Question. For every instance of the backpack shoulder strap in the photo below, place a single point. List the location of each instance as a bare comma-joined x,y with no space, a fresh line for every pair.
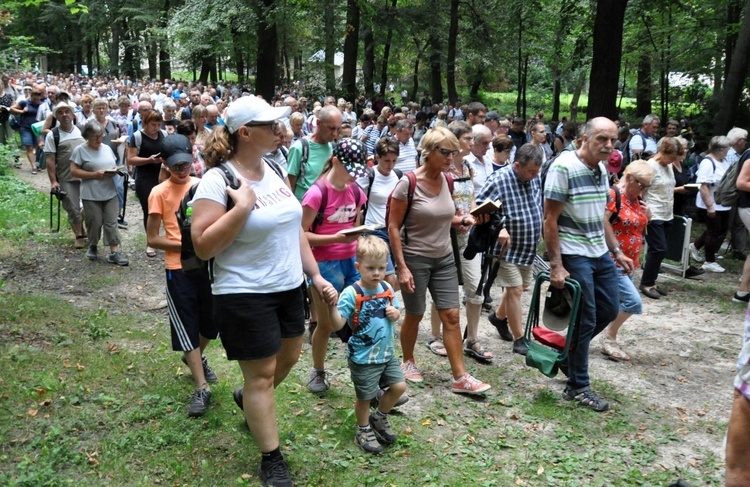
360,298
449,179
56,136
274,166
228,176
400,174
137,139
323,187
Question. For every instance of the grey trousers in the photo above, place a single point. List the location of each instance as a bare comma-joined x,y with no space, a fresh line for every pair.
102,214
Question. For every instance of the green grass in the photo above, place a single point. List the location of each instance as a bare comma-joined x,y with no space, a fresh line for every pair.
505,103
92,394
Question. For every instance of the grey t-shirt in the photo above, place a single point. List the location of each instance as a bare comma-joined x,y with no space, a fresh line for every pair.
428,223
92,161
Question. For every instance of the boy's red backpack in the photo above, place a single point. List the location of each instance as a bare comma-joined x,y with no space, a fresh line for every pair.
347,331
412,181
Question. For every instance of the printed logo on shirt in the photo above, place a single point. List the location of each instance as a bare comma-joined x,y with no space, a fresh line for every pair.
273,198
343,214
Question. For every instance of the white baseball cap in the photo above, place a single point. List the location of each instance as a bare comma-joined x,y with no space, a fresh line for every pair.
252,109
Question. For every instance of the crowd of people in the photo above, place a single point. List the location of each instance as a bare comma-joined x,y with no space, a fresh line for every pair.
290,182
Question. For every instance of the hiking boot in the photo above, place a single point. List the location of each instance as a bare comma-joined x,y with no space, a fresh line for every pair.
713,267
91,252
469,385
275,473
318,383
502,327
587,398
520,347
199,403
237,395
695,254
208,372
367,440
117,258
400,402
382,428
411,372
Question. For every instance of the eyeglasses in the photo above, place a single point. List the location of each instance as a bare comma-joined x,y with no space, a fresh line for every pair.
181,167
447,152
642,186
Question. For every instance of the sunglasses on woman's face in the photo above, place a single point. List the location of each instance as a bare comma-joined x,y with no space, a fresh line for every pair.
447,152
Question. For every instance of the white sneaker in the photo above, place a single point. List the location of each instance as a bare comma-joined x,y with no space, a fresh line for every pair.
713,267
695,253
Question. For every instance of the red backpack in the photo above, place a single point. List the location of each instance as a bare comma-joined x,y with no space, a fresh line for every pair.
412,179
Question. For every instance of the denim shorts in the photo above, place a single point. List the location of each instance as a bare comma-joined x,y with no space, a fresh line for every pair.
27,137
383,235
630,299
340,273
369,378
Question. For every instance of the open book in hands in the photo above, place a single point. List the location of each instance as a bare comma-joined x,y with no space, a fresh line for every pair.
487,207
361,229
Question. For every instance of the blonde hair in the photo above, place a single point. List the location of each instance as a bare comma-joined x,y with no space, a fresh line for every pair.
370,247
199,111
296,117
434,137
640,170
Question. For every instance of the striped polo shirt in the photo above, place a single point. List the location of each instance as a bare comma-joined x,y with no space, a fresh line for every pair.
584,192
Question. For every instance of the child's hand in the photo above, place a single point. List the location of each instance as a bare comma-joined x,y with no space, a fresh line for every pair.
330,295
392,313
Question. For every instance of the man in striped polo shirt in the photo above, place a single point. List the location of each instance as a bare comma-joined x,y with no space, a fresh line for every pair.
575,194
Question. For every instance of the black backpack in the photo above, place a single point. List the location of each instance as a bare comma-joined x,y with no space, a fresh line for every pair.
191,263
370,180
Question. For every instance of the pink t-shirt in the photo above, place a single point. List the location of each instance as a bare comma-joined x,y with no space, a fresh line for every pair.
340,213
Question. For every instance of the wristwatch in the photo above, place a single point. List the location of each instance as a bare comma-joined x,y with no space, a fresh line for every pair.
616,250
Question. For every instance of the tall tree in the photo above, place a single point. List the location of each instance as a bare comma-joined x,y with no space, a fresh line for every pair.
607,53
387,47
450,66
351,48
265,60
436,53
730,97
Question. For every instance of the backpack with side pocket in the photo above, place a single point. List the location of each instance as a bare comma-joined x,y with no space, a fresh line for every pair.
615,217
726,192
626,149
412,179
302,161
191,263
348,331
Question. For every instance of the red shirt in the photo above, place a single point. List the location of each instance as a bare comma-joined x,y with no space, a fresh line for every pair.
630,225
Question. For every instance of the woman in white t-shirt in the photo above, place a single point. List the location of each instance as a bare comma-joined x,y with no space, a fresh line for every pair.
710,172
259,255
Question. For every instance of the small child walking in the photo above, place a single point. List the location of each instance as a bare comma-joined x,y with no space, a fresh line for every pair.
369,308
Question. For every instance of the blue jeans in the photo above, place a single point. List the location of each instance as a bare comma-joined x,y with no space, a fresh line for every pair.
600,304
630,299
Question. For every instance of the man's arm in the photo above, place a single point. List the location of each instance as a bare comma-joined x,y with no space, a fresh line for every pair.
552,211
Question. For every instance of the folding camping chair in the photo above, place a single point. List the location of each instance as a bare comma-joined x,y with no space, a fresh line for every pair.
549,348
678,245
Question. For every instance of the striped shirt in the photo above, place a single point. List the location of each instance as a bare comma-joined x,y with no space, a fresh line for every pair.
522,207
407,156
584,193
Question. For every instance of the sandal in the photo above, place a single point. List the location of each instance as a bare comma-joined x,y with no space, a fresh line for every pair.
587,398
475,350
651,291
661,290
80,242
611,349
151,253
436,346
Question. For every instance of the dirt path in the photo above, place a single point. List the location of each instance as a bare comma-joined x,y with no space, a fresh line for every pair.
684,346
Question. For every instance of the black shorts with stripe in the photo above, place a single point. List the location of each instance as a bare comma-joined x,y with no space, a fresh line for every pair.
190,306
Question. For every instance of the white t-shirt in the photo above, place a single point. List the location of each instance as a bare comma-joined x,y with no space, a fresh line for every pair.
636,143
382,186
265,256
707,174
407,156
482,168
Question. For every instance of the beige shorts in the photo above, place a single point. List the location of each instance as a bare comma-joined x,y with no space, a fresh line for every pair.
514,275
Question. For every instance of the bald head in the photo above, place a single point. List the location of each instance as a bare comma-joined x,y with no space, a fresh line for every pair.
598,140
292,102
212,113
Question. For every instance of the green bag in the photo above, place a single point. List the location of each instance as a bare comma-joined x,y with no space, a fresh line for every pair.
543,359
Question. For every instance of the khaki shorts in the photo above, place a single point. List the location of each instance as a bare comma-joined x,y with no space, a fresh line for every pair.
514,275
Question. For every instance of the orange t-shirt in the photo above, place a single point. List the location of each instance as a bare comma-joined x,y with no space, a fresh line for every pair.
630,226
164,200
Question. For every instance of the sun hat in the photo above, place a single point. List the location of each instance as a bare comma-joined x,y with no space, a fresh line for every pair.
176,149
353,155
252,109
63,104
557,308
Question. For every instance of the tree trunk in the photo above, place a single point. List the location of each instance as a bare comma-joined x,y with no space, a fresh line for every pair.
165,68
451,63
330,46
351,48
212,74
436,84
734,8
98,55
89,55
607,55
152,53
368,64
477,83
643,88
577,95
556,98
525,76
520,58
114,50
387,50
730,98
239,58
206,66
265,62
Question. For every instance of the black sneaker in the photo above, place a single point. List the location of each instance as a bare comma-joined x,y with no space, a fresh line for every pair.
121,223
739,255
741,299
501,326
275,473
520,347
199,403
208,372
237,395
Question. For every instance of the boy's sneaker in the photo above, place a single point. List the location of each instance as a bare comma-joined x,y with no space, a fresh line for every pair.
237,395
91,252
375,401
367,440
469,385
501,326
741,299
208,372
695,254
382,428
275,473
318,382
199,403
713,267
411,372
117,258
